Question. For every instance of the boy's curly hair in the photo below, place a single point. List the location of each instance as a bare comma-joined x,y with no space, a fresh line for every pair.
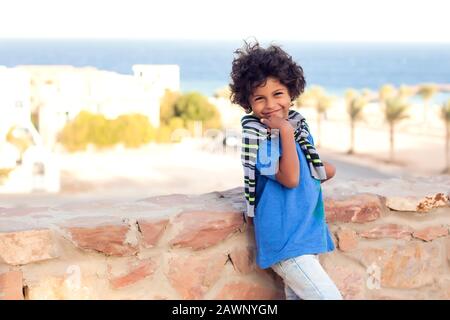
253,64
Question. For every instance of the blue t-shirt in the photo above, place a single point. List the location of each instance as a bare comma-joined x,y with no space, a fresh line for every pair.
289,222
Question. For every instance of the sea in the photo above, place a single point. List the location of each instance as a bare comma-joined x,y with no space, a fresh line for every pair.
205,65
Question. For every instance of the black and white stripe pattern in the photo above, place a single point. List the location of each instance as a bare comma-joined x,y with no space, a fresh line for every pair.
253,131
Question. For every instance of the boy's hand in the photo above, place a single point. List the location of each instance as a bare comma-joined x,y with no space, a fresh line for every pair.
289,167
276,123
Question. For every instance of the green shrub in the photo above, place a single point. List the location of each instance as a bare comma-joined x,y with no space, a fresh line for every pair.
164,134
16,137
133,130
4,173
167,106
177,111
186,109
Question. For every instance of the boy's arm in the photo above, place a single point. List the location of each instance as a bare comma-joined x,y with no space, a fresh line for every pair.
330,171
289,168
329,168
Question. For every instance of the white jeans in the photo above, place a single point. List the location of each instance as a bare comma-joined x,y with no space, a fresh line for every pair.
305,279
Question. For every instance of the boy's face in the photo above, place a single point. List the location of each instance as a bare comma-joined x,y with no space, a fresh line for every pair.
271,99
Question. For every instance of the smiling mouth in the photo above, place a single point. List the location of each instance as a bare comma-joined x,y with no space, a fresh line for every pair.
269,113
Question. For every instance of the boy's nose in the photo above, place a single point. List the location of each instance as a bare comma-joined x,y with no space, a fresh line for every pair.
271,104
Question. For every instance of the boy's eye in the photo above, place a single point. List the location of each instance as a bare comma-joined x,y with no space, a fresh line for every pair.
278,93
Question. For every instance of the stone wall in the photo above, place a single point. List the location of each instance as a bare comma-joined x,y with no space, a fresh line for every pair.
392,239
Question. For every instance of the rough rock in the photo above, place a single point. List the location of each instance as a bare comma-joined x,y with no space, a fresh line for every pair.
202,229
359,208
18,248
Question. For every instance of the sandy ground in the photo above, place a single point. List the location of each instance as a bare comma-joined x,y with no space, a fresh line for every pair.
414,153
192,168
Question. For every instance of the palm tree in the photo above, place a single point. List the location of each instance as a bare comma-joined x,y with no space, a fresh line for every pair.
395,110
308,97
445,113
406,91
355,104
303,100
427,91
316,97
386,91
323,102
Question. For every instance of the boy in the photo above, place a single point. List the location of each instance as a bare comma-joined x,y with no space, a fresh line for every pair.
282,172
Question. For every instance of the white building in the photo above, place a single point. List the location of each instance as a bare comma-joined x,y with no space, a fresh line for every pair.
61,92
156,79
36,168
159,77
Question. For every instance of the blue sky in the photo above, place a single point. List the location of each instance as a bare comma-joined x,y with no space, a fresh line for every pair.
313,20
